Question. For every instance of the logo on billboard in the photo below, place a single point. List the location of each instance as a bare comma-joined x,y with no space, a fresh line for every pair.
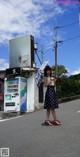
14,71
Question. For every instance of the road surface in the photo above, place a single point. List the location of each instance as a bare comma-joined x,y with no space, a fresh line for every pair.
26,137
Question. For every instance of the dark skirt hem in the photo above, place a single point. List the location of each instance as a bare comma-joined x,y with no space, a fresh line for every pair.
51,108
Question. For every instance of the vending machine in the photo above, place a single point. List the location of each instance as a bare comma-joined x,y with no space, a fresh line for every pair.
15,94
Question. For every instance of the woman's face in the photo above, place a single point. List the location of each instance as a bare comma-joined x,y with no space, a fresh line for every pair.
48,72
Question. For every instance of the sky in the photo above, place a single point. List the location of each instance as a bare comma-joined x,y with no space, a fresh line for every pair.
38,18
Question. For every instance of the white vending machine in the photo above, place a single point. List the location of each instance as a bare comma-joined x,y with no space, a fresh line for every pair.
15,94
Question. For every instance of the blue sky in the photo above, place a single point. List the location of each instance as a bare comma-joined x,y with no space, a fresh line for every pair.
39,17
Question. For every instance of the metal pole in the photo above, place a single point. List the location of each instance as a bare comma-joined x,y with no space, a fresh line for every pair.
56,72
42,54
55,46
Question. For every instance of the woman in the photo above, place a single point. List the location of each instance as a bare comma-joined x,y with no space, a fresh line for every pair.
51,102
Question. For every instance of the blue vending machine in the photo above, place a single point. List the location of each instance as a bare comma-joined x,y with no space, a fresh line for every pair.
15,94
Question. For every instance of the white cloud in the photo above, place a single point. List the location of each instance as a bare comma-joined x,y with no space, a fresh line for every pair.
20,17
76,72
3,64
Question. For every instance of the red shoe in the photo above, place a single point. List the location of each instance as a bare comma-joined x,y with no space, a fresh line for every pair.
48,123
57,122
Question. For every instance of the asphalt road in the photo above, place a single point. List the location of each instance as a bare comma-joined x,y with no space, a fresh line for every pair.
26,137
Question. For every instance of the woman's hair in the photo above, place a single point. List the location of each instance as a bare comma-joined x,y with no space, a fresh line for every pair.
46,69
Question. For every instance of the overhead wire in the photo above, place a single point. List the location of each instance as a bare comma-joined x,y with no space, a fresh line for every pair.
68,24
71,38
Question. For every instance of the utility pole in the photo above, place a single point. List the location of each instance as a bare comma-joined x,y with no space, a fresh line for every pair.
56,51
55,47
42,55
56,69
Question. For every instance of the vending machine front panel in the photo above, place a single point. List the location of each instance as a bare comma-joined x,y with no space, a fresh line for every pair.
15,94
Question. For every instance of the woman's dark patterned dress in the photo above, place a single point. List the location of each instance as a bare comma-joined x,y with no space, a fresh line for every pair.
51,100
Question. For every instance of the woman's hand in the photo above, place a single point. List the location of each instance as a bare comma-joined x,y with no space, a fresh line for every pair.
53,79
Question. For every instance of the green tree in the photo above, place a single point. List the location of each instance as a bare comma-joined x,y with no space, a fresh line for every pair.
61,70
67,87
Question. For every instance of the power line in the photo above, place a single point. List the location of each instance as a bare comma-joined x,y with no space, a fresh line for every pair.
71,38
67,25
38,57
60,42
66,39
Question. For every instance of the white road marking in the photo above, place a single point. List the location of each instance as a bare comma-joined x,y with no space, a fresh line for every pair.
10,118
78,111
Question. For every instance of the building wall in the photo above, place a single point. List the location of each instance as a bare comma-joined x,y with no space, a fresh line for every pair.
2,75
1,94
32,94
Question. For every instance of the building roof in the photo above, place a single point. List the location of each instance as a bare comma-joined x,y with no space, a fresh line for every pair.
2,71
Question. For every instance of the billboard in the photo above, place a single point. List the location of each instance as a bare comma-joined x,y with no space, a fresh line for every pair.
21,52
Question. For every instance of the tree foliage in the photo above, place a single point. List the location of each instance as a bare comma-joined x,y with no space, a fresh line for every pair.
68,86
61,70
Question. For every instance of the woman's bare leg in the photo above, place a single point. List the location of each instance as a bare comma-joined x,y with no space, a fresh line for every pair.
54,114
47,114
56,121
47,117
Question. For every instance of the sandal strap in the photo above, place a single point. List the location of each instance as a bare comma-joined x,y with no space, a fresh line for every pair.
48,122
57,122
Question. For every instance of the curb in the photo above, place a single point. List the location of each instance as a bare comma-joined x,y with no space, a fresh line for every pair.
66,99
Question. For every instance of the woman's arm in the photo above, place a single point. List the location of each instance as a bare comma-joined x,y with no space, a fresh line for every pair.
53,78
